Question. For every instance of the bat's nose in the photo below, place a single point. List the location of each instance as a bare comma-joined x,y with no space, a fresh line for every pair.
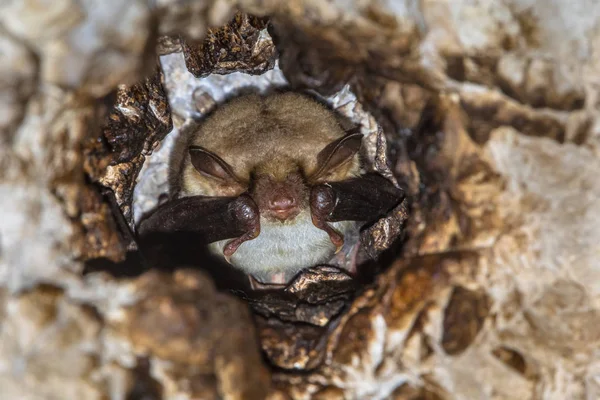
283,206
282,202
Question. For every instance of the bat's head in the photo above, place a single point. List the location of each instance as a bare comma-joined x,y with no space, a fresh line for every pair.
272,147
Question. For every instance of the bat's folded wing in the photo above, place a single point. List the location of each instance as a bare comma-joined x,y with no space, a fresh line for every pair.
366,198
210,219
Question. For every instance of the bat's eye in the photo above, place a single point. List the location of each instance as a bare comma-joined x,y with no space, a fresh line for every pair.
211,165
337,153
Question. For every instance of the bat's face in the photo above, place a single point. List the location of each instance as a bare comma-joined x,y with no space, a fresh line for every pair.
254,141
273,185
275,149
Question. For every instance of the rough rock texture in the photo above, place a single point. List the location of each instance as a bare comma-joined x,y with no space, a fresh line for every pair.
230,48
139,120
204,336
491,112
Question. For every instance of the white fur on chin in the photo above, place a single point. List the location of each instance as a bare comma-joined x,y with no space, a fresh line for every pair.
284,247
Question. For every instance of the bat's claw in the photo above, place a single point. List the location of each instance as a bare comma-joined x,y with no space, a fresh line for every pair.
247,215
232,245
336,238
322,203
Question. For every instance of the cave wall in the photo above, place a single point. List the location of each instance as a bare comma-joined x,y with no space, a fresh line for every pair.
491,111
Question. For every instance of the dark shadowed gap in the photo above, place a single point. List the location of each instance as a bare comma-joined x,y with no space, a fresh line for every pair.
178,250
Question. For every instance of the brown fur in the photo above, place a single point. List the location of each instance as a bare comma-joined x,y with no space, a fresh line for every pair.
275,148
274,136
266,188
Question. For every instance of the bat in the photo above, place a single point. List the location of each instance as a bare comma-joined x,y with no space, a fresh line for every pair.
272,184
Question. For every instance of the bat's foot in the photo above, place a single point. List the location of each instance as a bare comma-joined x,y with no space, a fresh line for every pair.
248,216
353,264
277,282
322,203
336,237
347,259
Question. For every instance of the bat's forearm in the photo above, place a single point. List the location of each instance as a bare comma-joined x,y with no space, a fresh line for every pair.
210,219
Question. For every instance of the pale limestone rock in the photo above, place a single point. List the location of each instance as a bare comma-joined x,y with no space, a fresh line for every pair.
531,265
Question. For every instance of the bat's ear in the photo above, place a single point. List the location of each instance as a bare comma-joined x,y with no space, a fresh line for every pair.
211,165
338,153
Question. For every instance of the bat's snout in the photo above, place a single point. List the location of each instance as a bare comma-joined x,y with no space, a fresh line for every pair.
280,200
283,206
